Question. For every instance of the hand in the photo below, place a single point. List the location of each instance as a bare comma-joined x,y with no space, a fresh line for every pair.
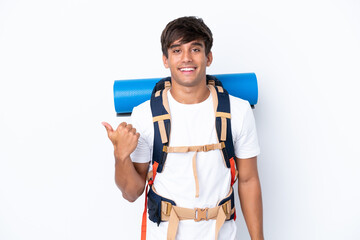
124,138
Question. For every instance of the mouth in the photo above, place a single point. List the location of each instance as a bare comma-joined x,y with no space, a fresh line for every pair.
187,69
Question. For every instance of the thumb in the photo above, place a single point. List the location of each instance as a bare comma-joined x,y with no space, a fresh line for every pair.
108,127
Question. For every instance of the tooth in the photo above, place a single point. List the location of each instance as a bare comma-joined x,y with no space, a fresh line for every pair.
187,69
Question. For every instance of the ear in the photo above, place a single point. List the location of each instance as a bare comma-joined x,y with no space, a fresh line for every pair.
209,59
165,61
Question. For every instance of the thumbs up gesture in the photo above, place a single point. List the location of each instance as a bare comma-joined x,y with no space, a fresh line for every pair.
124,138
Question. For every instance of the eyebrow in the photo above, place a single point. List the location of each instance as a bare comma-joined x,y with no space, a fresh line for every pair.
193,44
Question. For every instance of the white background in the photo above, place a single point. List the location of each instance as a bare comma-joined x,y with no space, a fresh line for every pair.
58,61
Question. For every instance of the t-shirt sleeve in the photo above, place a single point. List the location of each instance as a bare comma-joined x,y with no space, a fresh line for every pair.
142,153
245,135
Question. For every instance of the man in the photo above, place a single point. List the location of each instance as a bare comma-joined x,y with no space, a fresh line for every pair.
186,45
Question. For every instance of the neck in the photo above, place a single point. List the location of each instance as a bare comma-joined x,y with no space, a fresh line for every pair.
189,95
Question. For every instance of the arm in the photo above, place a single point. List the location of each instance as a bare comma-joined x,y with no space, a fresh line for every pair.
250,196
129,177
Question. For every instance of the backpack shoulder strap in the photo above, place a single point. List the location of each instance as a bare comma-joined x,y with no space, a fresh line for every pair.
161,119
221,101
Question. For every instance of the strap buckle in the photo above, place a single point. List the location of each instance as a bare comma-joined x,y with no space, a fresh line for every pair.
226,207
165,148
166,208
205,148
201,214
167,84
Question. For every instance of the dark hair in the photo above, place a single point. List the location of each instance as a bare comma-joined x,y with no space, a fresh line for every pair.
186,29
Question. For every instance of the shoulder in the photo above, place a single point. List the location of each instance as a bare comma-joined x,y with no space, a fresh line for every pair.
239,107
243,128
242,118
141,118
142,109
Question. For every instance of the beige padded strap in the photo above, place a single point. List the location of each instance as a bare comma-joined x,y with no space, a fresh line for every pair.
165,99
214,97
216,102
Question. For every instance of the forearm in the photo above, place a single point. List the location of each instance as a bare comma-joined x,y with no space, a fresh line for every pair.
251,205
128,180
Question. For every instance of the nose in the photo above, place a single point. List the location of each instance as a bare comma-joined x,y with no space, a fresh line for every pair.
186,56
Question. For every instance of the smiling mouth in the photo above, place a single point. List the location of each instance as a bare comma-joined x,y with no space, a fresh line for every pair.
187,69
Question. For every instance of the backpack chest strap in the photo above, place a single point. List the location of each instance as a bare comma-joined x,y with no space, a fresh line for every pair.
196,149
203,148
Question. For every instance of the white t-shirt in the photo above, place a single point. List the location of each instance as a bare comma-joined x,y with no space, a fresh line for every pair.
193,125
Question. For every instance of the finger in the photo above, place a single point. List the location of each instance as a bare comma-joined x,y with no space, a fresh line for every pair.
107,126
133,130
129,127
121,125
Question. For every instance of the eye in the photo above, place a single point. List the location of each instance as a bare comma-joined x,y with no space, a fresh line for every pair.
196,50
176,51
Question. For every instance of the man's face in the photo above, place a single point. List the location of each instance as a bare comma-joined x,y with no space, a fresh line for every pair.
187,62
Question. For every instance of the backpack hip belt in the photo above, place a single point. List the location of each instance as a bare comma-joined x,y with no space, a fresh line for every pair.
162,209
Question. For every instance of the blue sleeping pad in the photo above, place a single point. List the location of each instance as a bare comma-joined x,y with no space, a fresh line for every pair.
130,93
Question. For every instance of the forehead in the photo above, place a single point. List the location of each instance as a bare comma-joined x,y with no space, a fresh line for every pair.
181,42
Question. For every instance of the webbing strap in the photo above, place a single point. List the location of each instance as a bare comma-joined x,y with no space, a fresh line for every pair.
151,175
195,175
160,120
220,89
144,217
173,225
202,148
163,135
223,114
161,117
223,129
221,217
195,213
223,117
234,172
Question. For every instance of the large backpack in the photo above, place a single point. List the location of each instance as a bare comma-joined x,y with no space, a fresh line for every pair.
160,208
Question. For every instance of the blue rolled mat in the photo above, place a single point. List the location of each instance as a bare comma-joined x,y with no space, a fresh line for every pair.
130,93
